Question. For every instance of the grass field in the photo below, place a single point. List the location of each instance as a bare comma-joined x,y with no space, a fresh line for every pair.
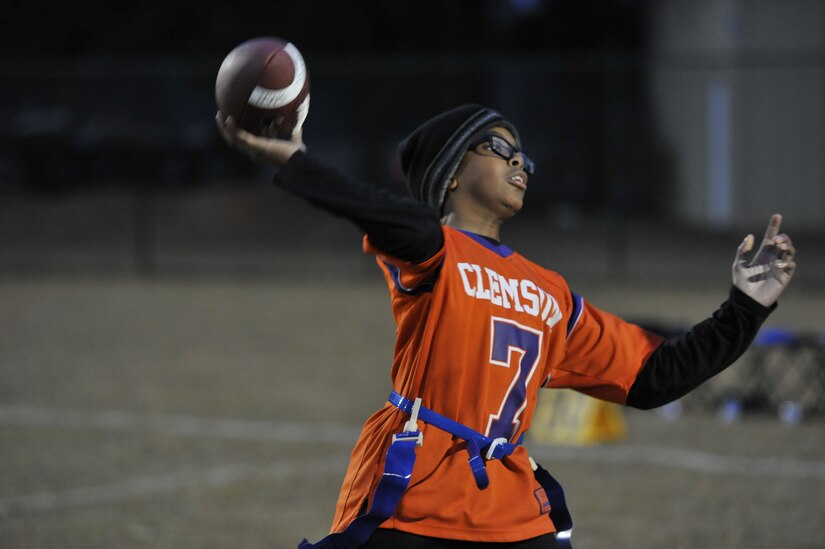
173,413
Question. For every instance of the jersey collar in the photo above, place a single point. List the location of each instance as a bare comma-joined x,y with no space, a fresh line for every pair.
490,244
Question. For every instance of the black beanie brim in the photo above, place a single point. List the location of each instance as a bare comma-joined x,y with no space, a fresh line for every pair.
430,155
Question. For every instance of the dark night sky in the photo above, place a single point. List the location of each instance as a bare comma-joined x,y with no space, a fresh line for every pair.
197,27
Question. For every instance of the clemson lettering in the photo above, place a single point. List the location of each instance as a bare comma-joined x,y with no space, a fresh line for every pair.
509,293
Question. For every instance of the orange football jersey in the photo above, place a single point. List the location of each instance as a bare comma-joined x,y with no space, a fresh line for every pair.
479,330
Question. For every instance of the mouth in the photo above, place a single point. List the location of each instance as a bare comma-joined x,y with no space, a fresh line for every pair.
518,179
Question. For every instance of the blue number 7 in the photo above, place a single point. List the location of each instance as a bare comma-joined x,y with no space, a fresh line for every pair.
508,336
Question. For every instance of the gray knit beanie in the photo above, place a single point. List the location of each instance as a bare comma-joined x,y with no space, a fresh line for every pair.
431,154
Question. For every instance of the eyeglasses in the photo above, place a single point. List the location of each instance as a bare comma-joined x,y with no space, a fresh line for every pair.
505,150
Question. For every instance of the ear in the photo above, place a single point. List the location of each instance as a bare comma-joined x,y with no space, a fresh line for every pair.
453,184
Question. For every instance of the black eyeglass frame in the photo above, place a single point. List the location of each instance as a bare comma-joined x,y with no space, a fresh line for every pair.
501,147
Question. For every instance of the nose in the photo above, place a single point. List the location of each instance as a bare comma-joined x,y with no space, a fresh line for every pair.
516,161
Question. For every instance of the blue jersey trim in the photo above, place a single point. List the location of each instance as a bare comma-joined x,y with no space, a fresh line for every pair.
395,273
578,309
500,249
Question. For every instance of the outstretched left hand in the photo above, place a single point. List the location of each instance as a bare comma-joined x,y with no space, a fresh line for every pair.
764,277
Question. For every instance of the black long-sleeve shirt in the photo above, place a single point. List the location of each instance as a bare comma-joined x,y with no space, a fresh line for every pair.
408,230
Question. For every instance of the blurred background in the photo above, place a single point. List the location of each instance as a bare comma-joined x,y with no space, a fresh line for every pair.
170,322
703,116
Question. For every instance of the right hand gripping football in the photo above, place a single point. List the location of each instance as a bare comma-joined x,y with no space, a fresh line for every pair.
266,150
764,277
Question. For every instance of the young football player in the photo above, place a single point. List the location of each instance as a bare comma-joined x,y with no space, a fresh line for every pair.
480,329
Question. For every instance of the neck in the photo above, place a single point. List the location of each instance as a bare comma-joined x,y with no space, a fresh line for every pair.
475,224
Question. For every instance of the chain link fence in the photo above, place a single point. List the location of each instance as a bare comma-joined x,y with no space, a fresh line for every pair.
782,373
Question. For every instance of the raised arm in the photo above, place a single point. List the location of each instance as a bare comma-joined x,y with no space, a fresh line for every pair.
681,364
397,225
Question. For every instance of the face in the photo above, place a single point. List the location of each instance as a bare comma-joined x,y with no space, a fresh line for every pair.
486,183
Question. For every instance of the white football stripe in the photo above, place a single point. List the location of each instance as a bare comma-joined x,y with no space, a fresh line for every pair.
303,110
265,98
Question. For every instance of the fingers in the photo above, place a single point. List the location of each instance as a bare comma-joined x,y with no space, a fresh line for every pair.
788,266
260,149
239,138
221,121
785,246
248,141
774,245
230,132
785,254
745,247
773,226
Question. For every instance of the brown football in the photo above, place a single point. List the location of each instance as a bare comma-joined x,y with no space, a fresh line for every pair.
264,85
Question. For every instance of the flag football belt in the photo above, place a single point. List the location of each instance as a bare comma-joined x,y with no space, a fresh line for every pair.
478,445
398,469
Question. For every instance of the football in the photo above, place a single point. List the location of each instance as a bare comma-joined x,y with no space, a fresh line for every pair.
264,85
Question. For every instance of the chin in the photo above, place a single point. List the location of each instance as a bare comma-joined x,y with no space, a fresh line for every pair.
511,208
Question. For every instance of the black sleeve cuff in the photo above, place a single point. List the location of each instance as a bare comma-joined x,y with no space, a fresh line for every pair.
743,300
290,173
